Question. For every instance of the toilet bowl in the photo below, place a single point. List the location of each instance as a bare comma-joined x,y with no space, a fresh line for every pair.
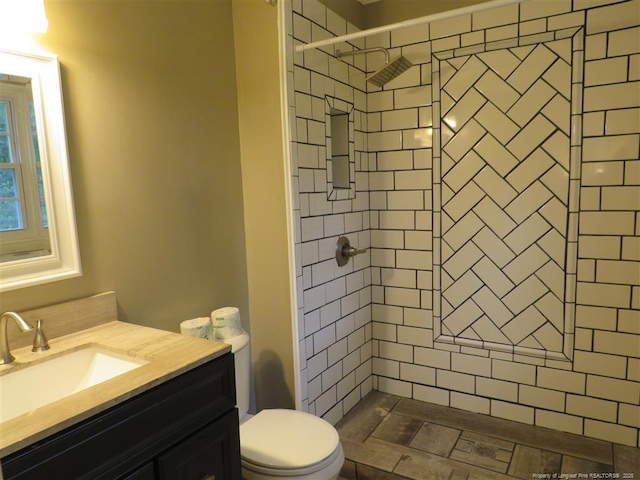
278,443
289,444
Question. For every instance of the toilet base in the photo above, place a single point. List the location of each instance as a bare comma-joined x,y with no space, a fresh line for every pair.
330,472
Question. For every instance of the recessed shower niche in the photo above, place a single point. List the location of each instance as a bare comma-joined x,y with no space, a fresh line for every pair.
507,151
340,149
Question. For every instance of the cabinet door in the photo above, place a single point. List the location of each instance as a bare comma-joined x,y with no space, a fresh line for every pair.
144,473
213,453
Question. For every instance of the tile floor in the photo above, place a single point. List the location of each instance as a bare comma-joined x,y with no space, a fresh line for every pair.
386,437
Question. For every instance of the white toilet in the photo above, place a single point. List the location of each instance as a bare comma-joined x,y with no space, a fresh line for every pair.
281,443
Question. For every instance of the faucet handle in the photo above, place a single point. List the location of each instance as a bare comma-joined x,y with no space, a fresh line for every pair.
344,251
40,342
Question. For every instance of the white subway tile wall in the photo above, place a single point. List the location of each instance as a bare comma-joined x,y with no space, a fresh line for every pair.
502,203
335,303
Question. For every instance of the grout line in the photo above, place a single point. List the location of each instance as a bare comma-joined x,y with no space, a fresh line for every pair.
513,454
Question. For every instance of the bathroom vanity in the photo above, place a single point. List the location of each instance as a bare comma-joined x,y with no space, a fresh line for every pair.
171,418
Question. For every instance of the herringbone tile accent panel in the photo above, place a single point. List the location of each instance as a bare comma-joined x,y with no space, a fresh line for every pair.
505,127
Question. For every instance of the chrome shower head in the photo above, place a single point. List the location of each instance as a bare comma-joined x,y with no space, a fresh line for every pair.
386,73
389,71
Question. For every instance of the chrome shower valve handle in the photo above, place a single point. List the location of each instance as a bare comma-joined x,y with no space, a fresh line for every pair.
344,251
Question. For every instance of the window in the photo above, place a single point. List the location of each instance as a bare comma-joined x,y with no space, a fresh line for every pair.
23,216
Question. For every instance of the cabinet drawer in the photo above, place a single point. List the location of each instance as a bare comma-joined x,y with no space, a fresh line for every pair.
116,441
209,454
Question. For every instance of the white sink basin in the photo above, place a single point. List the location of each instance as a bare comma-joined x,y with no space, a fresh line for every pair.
43,383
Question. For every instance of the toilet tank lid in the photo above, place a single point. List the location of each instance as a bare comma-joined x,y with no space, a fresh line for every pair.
287,439
237,342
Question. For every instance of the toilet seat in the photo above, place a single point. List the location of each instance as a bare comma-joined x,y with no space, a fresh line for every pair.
288,443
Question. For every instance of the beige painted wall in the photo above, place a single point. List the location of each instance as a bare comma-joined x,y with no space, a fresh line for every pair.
263,177
150,102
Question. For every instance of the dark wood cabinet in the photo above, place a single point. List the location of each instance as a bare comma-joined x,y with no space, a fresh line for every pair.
184,429
206,455
146,472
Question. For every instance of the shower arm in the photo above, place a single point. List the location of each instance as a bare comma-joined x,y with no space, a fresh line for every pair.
340,54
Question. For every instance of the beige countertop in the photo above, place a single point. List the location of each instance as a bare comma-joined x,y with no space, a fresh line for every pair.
169,355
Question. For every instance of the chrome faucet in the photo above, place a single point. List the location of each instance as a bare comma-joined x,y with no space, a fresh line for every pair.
5,353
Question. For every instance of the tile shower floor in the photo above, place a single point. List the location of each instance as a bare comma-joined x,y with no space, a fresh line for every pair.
386,437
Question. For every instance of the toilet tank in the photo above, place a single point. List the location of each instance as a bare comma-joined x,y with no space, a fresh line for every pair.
241,349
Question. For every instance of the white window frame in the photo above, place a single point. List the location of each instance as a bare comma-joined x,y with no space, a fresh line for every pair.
33,235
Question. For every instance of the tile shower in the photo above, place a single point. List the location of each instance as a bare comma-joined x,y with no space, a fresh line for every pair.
496,184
